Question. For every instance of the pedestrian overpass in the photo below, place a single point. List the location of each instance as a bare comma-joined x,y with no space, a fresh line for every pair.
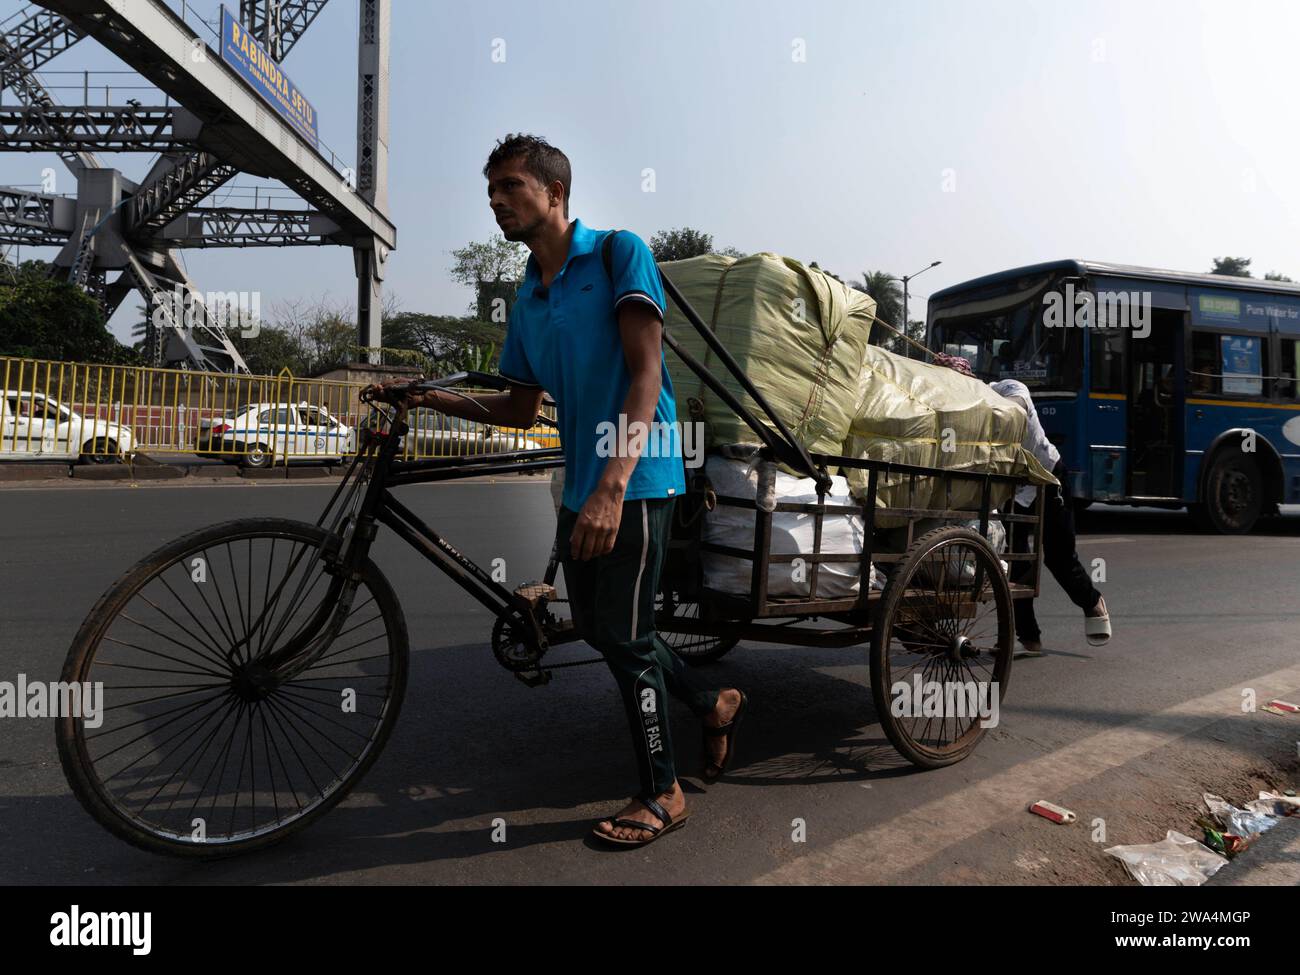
208,125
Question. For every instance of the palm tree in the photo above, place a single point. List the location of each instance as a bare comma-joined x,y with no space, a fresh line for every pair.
883,287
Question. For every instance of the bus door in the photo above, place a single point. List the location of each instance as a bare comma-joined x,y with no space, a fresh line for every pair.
1155,407
1106,420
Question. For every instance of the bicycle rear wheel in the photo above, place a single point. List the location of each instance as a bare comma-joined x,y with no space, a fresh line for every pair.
941,647
694,648
197,749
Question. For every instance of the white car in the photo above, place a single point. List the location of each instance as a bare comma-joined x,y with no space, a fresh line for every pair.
35,426
434,434
258,434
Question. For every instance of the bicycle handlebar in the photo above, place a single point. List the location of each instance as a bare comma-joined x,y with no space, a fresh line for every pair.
481,380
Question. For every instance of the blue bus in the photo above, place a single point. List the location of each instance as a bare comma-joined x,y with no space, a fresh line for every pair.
1160,388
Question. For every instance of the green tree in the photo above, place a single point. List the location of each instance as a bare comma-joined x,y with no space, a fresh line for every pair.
492,268
678,245
480,358
1235,267
495,259
49,318
888,294
329,339
304,337
915,332
1277,276
445,341
272,349
494,300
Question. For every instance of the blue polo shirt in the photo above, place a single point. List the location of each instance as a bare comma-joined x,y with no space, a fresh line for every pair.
565,339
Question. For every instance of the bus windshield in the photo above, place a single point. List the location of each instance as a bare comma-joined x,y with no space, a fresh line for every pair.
1004,337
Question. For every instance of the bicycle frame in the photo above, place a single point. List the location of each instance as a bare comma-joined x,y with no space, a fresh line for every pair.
355,527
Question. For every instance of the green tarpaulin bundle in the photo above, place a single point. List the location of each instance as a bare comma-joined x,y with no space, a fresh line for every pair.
801,337
797,333
912,412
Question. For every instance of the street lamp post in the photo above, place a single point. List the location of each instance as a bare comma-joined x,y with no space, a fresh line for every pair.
905,279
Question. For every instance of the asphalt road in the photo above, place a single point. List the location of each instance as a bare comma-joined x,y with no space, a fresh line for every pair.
1128,735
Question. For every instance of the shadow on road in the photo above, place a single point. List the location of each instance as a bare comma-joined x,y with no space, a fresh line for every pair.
473,749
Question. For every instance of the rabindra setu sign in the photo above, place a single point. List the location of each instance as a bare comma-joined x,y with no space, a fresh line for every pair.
241,51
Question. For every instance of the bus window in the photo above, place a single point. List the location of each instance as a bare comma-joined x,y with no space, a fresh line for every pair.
1288,388
1203,377
1227,364
1107,355
1005,337
1245,364
970,352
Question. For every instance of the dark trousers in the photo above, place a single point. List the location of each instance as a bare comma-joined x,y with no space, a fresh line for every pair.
612,599
1059,556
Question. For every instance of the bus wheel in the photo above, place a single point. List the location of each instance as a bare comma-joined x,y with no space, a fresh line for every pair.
1234,495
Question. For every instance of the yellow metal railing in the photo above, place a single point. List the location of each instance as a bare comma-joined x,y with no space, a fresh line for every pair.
84,411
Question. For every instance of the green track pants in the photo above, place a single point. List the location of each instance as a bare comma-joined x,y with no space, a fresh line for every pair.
612,599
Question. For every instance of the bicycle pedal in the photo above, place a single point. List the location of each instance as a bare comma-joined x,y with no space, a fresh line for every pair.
558,630
535,593
534,678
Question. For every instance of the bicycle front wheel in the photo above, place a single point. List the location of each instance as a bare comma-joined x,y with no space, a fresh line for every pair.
196,748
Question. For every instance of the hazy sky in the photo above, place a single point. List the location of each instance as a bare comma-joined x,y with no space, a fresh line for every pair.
985,135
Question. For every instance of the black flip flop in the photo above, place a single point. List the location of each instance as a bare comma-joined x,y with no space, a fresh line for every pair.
729,730
669,824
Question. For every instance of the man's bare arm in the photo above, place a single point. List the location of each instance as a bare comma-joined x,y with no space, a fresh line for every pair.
641,330
516,407
642,333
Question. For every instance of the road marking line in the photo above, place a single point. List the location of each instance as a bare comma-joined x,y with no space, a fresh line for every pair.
1084,539
878,855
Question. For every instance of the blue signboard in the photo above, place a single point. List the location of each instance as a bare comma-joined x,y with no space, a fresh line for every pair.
241,51
1242,364
1281,312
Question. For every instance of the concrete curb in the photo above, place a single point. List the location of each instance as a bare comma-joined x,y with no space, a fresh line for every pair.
30,475
261,473
34,471
1273,860
277,473
105,472
162,473
125,472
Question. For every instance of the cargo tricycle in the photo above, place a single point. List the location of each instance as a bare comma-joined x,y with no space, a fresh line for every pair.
252,671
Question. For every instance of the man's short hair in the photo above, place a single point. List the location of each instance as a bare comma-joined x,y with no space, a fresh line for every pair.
541,159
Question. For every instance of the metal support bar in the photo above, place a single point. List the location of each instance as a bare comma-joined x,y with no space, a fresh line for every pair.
78,128
804,461
24,49
241,227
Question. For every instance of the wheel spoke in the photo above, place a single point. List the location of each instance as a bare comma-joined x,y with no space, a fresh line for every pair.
196,730
946,612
